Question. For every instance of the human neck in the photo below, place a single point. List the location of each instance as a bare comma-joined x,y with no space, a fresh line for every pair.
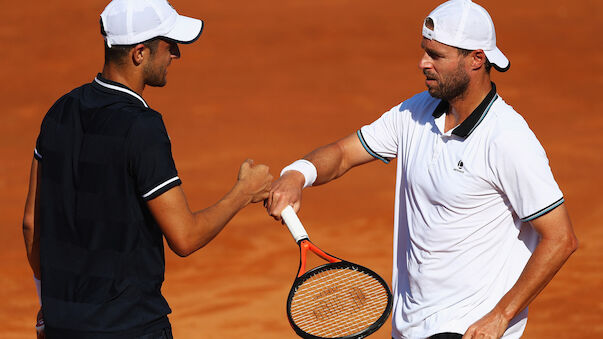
123,75
462,106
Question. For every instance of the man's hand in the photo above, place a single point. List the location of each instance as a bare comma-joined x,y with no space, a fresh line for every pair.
40,325
286,190
492,326
254,180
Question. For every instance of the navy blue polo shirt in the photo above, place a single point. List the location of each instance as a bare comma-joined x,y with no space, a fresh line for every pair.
103,153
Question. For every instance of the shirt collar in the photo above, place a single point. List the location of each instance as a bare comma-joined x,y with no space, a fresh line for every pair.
474,119
116,86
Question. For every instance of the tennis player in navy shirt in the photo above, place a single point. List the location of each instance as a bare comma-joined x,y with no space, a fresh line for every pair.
104,189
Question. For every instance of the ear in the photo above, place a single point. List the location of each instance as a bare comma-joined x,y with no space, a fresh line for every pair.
138,54
478,59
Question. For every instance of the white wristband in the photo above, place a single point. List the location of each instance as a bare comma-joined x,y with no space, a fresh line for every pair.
38,289
306,168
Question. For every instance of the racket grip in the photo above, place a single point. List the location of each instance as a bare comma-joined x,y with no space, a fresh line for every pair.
294,224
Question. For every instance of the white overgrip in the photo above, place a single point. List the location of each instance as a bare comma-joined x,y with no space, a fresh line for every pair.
294,224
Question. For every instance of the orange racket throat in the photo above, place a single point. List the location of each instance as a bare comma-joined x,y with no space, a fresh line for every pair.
305,246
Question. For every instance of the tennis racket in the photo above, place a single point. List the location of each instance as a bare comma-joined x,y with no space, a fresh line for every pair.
339,299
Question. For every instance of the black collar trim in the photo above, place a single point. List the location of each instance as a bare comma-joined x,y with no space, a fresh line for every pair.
474,119
116,86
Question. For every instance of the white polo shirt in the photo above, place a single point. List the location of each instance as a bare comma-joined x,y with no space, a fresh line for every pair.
462,198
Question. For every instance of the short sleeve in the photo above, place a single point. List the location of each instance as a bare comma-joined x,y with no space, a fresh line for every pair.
40,141
37,151
150,157
380,138
521,170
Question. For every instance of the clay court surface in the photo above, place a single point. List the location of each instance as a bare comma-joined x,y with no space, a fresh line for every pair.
271,80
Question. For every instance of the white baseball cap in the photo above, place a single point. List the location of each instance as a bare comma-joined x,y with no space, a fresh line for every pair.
467,25
128,22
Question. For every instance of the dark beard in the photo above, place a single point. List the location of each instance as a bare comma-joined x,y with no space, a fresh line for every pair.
450,87
154,77
156,80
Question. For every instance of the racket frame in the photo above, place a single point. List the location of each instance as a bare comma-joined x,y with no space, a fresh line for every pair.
301,238
300,279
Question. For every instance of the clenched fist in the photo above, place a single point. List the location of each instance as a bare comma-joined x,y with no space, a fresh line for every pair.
254,180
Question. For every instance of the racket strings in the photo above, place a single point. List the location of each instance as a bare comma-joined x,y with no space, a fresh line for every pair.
338,302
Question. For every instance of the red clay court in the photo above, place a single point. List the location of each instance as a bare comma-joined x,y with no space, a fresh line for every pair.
272,80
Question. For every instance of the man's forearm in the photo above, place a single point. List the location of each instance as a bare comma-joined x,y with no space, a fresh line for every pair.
31,248
557,243
328,162
210,221
548,257
187,232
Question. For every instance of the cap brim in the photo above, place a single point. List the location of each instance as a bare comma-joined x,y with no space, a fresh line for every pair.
186,30
498,59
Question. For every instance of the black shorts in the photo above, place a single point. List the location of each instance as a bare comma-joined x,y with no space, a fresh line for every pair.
161,331
446,335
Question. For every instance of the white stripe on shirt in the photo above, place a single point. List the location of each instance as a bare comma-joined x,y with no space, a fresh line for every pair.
160,186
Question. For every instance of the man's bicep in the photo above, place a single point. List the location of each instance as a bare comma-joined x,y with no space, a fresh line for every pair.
354,152
30,201
173,215
555,224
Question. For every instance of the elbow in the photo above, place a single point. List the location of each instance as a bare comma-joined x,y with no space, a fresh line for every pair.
572,244
182,248
182,253
28,224
188,239
567,245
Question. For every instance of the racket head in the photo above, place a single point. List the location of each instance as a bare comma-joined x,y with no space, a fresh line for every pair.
338,300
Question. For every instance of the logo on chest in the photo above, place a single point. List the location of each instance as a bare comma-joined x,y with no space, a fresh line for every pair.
460,167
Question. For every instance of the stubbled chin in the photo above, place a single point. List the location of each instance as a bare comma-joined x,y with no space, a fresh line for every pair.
433,92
